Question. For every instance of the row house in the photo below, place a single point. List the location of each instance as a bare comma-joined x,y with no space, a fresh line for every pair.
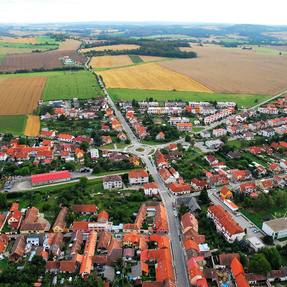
218,116
176,120
225,224
219,132
164,110
184,127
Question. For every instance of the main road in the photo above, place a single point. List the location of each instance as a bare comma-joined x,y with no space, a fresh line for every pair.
179,258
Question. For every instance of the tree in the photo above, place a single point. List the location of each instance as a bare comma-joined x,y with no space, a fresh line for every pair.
3,201
267,239
273,256
203,197
259,264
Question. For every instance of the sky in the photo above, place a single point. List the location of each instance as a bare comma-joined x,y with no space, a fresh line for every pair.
210,11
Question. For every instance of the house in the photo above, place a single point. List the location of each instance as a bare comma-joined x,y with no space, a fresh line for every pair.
151,189
161,161
226,193
255,243
166,176
189,221
122,136
60,224
277,228
14,217
247,187
240,175
112,182
85,209
214,144
106,140
160,136
225,224
56,244
51,177
103,217
238,273
219,132
184,127
34,222
33,240
18,248
179,189
94,153
66,138
138,177
4,239
198,184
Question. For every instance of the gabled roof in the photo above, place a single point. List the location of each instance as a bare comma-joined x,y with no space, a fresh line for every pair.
236,267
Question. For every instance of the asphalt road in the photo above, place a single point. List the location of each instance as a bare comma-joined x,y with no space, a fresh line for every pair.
179,259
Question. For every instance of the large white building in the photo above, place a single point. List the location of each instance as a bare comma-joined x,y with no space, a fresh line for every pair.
277,228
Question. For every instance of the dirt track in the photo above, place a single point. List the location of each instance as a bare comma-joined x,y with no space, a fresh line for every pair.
234,70
20,95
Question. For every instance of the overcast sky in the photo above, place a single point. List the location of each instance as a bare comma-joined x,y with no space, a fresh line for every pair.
216,11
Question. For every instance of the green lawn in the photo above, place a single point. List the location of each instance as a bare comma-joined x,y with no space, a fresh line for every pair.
13,124
269,51
68,85
2,56
245,100
136,59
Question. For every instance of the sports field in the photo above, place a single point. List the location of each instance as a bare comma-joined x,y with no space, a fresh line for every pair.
69,85
245,100
150,76
13,124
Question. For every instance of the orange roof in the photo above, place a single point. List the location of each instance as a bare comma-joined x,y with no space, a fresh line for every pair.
80,225
177,187
225,191
103,216
138,173
241,281
131,238
14,206
65,136
190,244
236,267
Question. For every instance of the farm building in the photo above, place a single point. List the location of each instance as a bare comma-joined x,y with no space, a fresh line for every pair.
52,177
277,228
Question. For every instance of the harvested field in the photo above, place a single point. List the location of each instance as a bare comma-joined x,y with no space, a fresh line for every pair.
70,44
150,76
22,40
151,58
110,61
111,48
32,127
8,50
45,60
234,70
20,95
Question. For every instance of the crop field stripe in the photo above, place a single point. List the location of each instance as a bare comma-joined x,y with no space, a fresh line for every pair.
246,100
13,124
136,59
105,62
32,127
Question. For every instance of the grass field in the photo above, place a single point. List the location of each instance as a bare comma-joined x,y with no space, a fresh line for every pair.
269,51
13,124
245,100
150,76
67,85
136,59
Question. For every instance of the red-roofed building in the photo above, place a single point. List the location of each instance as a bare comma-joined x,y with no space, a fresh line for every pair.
178,189
166,176
151,189
85,209
225,224
238,273
65,138
247,187
138,177
103,217
51,177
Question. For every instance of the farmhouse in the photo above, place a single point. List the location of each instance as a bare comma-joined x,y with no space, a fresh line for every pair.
277,228
49,178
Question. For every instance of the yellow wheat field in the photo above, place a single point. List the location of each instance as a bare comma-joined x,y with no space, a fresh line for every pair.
32,128
70,44
110,61
23,40
111,47
152,77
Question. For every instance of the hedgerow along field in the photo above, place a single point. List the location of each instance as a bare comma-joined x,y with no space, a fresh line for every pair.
13,124
69,85
245,100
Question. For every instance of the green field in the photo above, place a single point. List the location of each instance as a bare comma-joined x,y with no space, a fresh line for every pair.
245,100
2,56
12,124
269,51
68,85
136,59
43,43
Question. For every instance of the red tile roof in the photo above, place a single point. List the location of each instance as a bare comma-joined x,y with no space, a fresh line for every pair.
84,208
138,173
51,176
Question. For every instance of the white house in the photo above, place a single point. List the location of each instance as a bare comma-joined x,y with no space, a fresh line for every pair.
138,177
151,189
112,182
277,228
